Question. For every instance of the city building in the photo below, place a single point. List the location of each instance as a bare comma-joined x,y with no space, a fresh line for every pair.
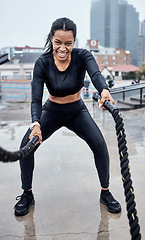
115,23
21,62
142,28
106,56
16,74
141,49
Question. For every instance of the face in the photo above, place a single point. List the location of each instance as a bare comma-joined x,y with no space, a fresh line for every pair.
62,42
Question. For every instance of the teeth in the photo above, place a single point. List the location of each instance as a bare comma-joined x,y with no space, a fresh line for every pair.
62,54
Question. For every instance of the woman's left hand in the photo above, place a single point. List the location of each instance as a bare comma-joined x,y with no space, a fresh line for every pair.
105,95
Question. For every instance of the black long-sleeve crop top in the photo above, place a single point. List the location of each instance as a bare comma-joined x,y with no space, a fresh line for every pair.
63,83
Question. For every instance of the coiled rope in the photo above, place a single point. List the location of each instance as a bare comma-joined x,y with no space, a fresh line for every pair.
125,169
8,156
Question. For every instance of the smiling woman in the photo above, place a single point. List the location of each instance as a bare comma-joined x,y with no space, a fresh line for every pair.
62,68
62,43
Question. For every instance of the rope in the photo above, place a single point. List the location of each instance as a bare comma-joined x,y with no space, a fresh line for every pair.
125,170
8,156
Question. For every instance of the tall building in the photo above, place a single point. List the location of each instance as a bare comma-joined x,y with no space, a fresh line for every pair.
142,31
141,49
116,24
103,24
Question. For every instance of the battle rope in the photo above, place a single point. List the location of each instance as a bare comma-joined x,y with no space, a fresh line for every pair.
7,156
125,169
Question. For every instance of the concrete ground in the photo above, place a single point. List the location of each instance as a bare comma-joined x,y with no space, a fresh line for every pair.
66,185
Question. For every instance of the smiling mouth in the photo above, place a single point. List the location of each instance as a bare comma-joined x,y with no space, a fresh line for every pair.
62,54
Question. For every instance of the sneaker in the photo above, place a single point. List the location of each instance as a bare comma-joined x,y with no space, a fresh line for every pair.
110,202
25,202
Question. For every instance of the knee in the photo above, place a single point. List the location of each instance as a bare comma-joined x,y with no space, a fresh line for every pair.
100,147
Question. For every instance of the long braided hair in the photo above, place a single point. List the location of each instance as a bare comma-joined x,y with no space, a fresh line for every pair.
59,24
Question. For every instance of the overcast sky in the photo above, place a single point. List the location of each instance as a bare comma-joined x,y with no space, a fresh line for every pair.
27,22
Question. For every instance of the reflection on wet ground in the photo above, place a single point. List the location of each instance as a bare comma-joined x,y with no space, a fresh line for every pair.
66,186
29,224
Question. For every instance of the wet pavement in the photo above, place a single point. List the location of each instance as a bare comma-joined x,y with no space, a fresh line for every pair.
65,185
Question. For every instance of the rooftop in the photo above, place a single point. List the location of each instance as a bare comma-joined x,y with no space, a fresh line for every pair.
124,68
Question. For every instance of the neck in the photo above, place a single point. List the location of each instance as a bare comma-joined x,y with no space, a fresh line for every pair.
60,64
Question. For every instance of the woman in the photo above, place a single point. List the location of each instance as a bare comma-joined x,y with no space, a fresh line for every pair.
62,68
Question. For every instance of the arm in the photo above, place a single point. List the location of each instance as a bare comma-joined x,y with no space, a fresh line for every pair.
37,94
97,78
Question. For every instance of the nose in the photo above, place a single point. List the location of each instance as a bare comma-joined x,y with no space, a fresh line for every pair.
62,47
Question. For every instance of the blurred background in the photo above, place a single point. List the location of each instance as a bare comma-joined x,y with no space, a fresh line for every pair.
113,30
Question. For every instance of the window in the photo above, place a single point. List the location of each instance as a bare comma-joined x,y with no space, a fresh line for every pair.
28,75
16,75
105,57
116,73
117,52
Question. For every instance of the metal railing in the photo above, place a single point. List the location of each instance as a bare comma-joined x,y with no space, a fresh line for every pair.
131,95
132,88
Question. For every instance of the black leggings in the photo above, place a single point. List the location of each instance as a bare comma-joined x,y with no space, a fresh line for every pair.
75,117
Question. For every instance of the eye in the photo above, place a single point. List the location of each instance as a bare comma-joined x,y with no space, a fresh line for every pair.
69,43
57,42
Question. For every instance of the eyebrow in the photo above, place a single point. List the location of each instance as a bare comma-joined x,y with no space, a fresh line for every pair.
69,41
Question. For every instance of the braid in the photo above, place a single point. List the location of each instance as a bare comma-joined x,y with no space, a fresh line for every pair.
48,44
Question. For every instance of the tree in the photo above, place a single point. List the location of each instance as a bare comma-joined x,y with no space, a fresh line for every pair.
141,72
129,75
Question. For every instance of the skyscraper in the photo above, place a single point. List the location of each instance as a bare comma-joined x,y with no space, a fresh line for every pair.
115,23
142,30
141,49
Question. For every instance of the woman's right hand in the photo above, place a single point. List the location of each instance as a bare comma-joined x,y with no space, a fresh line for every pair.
36,131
